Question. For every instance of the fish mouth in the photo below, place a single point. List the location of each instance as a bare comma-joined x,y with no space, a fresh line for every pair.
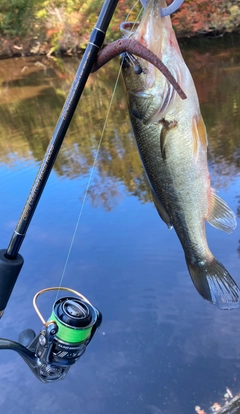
153,31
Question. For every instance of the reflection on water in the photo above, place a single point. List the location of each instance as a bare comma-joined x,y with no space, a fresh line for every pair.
161,348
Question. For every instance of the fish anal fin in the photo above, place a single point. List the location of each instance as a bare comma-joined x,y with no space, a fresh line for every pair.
199,134
167,125
220,215
214,283
161,210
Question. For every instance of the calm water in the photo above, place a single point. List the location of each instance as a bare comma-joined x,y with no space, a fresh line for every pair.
161,347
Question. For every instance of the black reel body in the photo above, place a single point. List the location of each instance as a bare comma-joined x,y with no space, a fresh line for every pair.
61,341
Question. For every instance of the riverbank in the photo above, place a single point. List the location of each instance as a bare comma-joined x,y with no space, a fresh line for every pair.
65,30
12,48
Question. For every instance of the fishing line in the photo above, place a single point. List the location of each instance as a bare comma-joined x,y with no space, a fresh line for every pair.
132,10
89,181
94,164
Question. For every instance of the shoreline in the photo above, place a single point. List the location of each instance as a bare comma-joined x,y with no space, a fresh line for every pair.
28,47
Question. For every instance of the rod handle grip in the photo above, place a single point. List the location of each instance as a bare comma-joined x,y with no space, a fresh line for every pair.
9,271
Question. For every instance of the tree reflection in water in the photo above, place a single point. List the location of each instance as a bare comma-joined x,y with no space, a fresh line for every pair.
33,93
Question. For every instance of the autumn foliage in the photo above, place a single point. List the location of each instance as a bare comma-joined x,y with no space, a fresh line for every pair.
53,26
204,17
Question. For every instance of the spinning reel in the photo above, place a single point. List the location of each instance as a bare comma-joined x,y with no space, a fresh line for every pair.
63,338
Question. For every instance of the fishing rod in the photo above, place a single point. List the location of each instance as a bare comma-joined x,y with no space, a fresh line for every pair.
10,260
74,320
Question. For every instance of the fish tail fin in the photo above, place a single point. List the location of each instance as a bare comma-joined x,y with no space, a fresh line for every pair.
214,283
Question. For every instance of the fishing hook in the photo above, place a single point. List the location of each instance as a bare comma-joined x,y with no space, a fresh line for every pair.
166,11
134,47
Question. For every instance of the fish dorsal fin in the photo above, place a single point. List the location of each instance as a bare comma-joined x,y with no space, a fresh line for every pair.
199,134
161,210
220,214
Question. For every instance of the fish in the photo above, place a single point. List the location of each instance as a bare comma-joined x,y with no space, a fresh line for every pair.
172,142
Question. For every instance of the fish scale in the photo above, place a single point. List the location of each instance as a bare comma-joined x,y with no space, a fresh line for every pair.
172,143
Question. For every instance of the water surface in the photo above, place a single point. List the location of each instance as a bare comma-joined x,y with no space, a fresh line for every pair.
161,347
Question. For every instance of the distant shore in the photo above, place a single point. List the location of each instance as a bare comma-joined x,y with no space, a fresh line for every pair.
65,30
10,48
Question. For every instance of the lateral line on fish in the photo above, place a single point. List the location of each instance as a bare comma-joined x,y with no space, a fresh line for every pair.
132,46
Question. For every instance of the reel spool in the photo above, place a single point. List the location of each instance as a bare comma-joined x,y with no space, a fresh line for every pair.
63,338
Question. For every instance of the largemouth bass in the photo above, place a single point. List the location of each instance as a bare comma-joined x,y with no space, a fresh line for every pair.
172,142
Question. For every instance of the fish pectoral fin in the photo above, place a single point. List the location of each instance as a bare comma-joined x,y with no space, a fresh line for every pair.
161,210
220,214
167,125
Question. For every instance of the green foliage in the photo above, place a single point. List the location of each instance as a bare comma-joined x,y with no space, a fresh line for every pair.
65,25
15,16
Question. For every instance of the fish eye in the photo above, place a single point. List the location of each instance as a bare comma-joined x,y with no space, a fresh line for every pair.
138,69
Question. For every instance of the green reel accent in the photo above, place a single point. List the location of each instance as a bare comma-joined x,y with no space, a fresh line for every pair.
68,334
